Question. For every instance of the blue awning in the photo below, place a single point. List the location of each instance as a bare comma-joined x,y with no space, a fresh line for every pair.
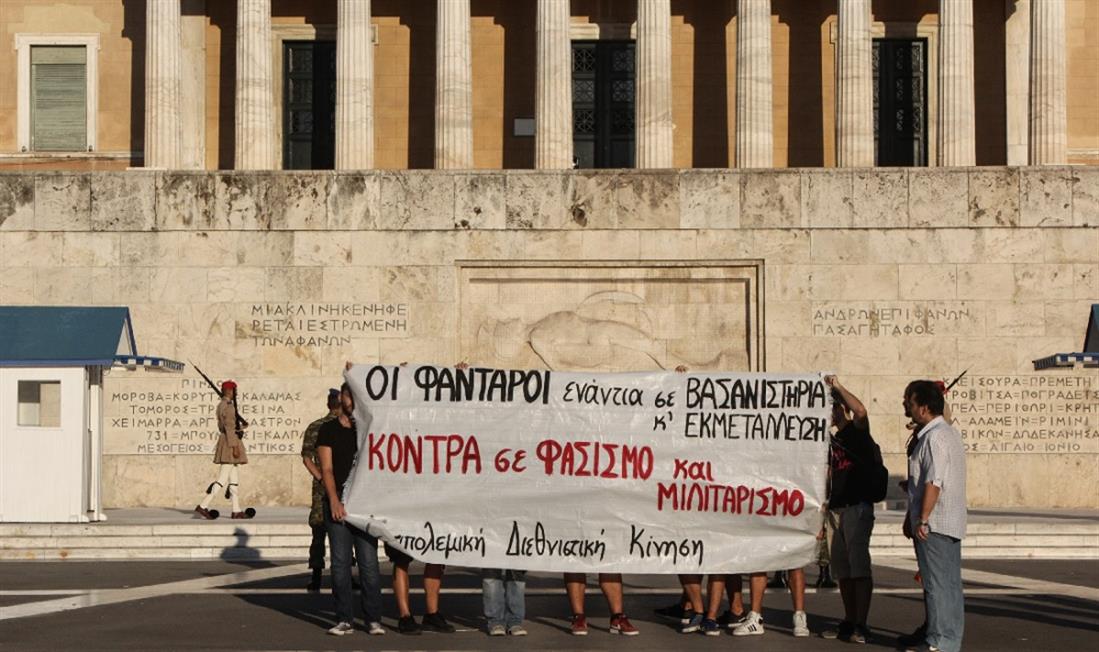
64,336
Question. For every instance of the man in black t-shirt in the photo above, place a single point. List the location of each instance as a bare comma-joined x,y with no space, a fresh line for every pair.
337,444
851,512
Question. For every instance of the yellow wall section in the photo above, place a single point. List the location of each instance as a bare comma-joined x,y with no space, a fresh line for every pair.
503,47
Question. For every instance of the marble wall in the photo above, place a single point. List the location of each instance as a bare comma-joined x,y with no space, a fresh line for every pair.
274,279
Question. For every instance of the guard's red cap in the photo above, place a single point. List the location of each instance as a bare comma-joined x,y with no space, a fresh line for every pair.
227,385
938,383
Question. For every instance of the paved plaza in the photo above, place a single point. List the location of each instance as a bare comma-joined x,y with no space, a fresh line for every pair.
1010,605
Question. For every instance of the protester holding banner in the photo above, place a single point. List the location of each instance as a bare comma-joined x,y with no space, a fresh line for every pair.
611,585
433,620
503,593
855,462
337,446
316,512
752,624
579,473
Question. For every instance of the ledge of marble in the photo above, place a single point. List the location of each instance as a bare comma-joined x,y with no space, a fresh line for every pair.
415,200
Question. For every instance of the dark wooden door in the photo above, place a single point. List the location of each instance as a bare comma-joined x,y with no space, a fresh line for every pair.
309,105
900,102
603,103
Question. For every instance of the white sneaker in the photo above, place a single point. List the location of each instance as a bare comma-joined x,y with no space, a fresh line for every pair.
517,630
497,630
801,626
342,629
375,629
751,626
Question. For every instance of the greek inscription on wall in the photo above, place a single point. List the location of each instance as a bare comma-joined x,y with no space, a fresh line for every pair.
1028,414
176,417
893,318
321,324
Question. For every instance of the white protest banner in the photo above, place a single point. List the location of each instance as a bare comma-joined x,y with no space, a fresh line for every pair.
636,472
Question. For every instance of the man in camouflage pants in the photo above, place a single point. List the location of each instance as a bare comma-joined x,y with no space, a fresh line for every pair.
316,512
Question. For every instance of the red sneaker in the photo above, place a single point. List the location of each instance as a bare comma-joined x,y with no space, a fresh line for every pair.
622,625
579,625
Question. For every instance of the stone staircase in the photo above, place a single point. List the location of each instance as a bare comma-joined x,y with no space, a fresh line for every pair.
281,533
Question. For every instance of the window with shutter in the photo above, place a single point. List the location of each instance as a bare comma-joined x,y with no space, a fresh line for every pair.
58,102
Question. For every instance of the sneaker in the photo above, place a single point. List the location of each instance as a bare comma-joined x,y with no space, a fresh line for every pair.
750,625
436,622
801,625
841,632
922,647
692,625
711,627
342,629
688,616
915,638
408,625
203,512
860,635
622,625
671,612
497,630
375,629
579,625
517,630
730,619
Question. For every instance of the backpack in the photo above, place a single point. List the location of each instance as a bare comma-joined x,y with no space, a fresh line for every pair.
877,476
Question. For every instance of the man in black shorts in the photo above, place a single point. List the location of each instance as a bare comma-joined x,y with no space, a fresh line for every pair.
433,620
854,455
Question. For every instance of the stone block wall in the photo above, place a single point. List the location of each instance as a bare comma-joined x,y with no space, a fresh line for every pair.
275,279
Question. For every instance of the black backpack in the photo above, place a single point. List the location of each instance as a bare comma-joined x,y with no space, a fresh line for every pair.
877,476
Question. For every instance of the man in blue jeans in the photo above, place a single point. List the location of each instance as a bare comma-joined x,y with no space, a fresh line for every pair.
503,593
337,444
936,517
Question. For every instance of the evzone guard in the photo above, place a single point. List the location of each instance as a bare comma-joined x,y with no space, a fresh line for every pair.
229,454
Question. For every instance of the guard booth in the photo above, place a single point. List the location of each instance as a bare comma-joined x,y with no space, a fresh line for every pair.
52,364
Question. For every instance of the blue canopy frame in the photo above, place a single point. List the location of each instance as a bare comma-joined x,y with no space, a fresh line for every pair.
72,336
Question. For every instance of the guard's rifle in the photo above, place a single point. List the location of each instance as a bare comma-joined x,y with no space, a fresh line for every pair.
242,423
955,381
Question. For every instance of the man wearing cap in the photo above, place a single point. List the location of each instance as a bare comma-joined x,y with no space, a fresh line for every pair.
313,465
229,454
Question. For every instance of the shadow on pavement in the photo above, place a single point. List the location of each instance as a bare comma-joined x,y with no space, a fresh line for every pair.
240,553
1036,610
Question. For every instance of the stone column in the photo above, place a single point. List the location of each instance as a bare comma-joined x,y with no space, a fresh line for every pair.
453,87
163,77
254,146
1047,82
1017,79
854,86
957,129
654,84
553,87
754,133
354,86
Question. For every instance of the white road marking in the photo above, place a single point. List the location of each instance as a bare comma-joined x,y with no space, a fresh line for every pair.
1018,584
223,585
115,596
